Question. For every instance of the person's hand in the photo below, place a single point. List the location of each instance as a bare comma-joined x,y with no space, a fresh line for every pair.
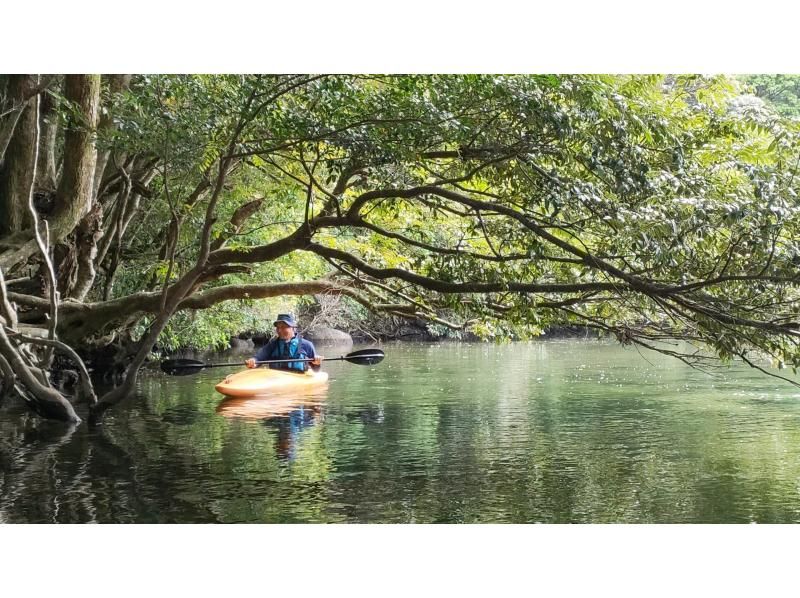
251,363
317,360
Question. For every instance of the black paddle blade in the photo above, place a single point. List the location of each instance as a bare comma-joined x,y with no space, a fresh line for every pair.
182,367
365,356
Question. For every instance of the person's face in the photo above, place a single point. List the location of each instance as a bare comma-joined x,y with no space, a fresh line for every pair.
283,331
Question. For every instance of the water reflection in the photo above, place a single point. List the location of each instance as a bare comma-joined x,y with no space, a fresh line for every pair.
553,432
52,473
276,405
286,413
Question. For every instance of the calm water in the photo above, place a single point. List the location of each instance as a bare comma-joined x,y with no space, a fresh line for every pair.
558,431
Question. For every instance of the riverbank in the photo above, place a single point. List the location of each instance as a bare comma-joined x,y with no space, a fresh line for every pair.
249,340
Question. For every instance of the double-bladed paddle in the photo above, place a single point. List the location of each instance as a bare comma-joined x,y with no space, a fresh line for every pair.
184,367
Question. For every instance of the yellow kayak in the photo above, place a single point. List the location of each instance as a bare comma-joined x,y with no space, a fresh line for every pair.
265,381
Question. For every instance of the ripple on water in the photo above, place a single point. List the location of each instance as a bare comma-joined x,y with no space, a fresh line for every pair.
551,432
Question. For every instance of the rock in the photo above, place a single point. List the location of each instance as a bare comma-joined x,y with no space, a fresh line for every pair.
260,338
328,335
242,344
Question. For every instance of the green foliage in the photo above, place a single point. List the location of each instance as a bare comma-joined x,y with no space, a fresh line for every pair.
669,181
782,92
212,328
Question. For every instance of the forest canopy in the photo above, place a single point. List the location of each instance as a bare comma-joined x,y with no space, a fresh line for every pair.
652,208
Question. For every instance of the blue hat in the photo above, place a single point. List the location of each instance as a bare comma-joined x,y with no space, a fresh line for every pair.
287,319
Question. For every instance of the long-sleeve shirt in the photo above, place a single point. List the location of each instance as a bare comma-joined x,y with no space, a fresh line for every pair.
279,349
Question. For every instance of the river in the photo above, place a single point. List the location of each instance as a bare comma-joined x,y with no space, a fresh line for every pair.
553,432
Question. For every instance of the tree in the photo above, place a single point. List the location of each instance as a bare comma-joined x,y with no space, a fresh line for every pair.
643,206
780,91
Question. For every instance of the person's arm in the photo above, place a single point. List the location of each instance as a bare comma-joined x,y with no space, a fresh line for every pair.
308,349
261,355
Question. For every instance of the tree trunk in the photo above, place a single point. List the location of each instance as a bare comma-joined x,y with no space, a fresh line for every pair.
43,400
17,90
48,123
116,84
90,229
16,173
73,196
86,236
74,193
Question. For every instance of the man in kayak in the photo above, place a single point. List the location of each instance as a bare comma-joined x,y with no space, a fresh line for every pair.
286,345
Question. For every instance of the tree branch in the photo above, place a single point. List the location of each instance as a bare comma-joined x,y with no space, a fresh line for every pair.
86,382
433,284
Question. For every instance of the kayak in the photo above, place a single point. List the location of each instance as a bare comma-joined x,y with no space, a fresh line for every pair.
265,381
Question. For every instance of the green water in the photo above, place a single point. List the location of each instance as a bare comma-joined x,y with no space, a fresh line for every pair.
555,432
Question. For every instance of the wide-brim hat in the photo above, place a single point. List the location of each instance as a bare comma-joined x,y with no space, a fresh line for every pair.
287,319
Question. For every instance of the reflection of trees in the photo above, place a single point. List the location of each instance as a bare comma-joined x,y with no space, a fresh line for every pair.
53,473
24,456
558,435
593,439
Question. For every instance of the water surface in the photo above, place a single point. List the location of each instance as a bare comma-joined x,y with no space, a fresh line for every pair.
554,432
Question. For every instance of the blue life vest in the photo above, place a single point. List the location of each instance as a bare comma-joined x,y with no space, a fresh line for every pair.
284,350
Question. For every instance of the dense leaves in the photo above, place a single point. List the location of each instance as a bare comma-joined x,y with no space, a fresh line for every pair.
655,208
671,199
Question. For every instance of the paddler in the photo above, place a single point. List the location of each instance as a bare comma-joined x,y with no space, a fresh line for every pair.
287,344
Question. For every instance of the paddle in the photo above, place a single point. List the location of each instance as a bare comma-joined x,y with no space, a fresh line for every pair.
184,367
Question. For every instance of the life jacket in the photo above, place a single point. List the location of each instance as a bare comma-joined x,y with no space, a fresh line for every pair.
287,350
